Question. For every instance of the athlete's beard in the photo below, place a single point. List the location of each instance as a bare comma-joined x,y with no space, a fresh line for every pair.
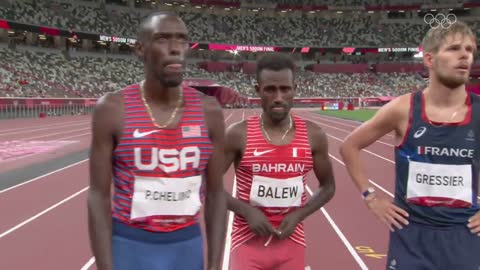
451,82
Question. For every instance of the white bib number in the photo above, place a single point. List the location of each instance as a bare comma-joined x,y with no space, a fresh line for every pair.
272,192
157,196
440,184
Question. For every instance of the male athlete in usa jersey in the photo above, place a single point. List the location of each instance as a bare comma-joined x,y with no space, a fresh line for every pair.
434,218
272,155
162,144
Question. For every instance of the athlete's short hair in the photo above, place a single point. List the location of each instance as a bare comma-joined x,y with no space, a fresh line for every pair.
275,62
144,27
435,37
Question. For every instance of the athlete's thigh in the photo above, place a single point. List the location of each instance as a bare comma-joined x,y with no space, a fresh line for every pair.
132,254
291,255
248,256
461,250
408,250
189,254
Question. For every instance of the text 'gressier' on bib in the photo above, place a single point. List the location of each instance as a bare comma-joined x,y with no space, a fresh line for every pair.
440,184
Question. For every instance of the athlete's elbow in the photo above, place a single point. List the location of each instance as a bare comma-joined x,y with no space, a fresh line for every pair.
347,149
330,189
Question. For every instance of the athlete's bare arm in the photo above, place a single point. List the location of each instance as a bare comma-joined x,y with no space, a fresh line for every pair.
322,168
234,150
391,117
215,203
107,123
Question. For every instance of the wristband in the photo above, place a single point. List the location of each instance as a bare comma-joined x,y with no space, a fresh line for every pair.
368,192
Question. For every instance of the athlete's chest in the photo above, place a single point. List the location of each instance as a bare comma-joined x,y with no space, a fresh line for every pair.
293,159
174,150
444,141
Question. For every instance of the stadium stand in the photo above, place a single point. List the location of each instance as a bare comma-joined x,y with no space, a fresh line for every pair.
45,71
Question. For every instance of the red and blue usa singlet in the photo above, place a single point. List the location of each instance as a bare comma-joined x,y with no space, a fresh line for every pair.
159,173
272,178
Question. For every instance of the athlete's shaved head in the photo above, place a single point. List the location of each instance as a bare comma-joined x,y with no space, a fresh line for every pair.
146,25
163,42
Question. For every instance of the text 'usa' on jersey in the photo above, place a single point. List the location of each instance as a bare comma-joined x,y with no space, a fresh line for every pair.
158,173
437,166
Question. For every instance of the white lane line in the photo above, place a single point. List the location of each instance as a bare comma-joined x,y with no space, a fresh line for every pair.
42,126
343,130
88,264
345,241
228,239
18,226
36,129
42,176
377,185
338,120
57,133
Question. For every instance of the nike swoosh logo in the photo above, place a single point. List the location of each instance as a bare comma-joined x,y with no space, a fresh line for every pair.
256,153
138,134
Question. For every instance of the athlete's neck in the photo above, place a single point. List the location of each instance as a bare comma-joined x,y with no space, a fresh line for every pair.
440,95
281,125
158,93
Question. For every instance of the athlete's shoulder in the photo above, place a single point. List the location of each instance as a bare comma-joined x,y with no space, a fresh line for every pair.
397,109
237,127
316,135
236,133
109,101
313,128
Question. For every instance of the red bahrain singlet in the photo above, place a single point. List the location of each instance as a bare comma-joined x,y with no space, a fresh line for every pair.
158,173
272,178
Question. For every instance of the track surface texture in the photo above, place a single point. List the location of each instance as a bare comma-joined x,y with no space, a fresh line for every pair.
43,188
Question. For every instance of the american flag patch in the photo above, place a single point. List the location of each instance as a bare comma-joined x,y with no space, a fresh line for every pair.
191,131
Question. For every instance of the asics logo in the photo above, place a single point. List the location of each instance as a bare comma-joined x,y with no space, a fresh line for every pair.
138,134
420,132
256,153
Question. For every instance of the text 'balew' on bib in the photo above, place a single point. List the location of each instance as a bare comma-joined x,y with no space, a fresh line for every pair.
272,192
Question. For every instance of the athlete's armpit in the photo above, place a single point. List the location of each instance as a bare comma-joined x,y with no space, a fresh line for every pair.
234,144
215,205
391,117
322,165
216,129
106,123
322,168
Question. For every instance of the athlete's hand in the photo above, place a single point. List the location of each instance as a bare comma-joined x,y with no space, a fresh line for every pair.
390,214
288,225
474,224
258,222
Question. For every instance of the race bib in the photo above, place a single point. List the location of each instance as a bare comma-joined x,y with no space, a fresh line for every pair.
157,196
439,184
272,192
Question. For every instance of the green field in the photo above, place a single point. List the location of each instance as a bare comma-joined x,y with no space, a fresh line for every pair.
357,115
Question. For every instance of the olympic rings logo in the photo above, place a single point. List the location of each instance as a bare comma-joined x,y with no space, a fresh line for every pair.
440,20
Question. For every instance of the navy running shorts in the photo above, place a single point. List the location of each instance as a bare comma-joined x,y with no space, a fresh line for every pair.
139,249
422,247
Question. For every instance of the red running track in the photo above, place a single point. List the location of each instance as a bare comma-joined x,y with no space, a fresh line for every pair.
44,222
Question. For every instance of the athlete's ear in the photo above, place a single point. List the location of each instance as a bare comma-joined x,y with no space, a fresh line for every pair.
428,59
257,89
139,51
